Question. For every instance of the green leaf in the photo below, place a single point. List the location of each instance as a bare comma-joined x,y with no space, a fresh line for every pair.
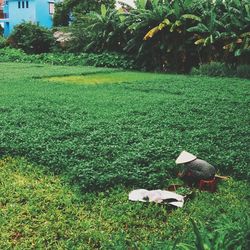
238,52
247,8
187,3
191,17
141,4
103,10
121,15
199,240
211,39
177,9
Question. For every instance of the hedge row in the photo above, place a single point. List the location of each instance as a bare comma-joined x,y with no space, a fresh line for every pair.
111,60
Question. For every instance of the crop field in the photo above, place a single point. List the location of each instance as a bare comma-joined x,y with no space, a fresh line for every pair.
86,136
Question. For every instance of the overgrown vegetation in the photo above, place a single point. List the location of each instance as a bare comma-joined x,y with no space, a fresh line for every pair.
169,35
1,30
3,42
222,69
75,7
31,38
111,60
38,210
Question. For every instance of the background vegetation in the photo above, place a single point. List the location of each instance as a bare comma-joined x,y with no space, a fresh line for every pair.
31,38
169,35
69,9
112,60
108,59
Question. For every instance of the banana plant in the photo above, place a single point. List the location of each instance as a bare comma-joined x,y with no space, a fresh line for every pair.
138,21
208,30
225,25
177,14
237,24
102,30
168,35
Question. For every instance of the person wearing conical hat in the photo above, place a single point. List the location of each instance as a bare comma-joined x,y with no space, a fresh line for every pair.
194,169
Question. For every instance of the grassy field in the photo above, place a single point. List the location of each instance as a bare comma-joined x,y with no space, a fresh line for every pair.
79,134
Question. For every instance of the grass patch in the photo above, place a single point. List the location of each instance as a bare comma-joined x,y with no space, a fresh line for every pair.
38,210
102,78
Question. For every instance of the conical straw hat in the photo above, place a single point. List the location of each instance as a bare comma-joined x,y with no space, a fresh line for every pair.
185,157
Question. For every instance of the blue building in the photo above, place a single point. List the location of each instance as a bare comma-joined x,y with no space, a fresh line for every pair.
13,12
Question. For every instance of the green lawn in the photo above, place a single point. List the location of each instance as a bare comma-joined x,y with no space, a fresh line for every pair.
79,135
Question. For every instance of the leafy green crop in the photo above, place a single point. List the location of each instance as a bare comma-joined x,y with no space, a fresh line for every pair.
129,133
39,211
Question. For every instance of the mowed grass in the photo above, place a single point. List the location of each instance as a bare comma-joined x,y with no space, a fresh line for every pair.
112,137
39,210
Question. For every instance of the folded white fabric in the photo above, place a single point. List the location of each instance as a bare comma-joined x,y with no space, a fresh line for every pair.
157,196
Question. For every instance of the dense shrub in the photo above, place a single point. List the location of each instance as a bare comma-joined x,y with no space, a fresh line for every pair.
112,60
13,55
3,42
61,15
31,38
64,9
214,69
243,71
222,69
1,30
17,55
169,35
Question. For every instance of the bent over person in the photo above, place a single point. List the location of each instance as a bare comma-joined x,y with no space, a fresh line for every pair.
194,169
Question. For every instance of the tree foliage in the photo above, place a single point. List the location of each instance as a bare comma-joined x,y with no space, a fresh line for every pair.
169,35
61,16
31,38
76,7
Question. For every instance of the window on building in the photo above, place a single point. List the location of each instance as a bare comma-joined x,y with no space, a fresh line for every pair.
23,4
51,8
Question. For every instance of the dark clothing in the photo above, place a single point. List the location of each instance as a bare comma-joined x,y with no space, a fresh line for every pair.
197,170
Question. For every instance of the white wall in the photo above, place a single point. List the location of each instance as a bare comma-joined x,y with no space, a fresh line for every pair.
130,2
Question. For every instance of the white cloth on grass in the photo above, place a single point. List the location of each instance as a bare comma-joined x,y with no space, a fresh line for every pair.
157,196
